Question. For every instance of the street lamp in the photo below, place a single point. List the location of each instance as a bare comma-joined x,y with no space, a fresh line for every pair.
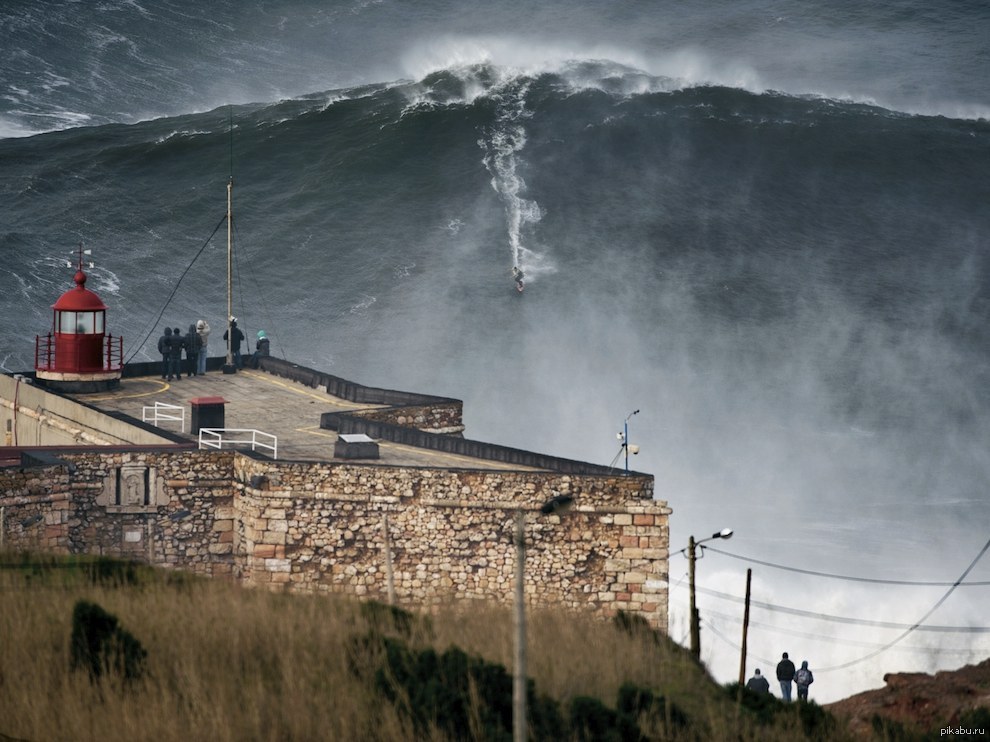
624,437
695,628
557,505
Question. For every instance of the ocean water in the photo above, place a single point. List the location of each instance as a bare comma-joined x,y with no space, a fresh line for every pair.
763,225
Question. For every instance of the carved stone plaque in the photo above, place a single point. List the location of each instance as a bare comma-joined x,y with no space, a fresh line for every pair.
133,488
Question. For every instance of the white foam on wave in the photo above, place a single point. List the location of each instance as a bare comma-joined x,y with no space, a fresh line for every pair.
502,143
57,120
516,56
581,65
453,226
181,134
105,281
946,109
625,72
14,129
366,301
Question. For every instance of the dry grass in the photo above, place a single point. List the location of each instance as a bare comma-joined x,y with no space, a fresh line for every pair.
228,663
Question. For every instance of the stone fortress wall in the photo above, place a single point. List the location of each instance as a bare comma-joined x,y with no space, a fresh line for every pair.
416,534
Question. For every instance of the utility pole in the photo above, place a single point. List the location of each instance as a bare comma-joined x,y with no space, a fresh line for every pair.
695,628
389,574
557,505
742,658
519,666
694,618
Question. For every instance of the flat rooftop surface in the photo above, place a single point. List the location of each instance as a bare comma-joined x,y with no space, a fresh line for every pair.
257,400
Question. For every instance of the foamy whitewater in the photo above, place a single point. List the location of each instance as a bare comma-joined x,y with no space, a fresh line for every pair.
764,225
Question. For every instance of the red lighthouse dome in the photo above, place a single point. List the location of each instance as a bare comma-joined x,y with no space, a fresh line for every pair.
77,355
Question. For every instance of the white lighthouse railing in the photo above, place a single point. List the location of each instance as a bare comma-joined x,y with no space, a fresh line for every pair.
217,437
161,411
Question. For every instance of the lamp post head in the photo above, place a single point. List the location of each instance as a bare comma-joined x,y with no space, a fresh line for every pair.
724,533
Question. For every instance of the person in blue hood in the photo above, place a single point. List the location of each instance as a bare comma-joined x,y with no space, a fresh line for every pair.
261,348
802,679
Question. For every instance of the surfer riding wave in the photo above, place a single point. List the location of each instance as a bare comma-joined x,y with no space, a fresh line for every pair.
517,276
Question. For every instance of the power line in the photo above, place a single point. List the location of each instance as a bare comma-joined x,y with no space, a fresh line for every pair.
916,626
838,640
727,640
168,301
849,620
915,583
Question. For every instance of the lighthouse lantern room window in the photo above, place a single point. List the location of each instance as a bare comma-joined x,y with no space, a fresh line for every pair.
70,323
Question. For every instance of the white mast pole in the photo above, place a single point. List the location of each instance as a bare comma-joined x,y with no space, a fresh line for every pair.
230,298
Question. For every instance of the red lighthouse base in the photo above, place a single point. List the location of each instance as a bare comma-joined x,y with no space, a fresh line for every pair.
74,383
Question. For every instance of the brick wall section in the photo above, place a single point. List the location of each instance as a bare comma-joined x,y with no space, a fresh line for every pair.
320,527
35,507
194,482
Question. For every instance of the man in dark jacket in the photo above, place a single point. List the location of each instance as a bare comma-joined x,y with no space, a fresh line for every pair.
236,338
164,345
191,343
758,683
175,354
785,674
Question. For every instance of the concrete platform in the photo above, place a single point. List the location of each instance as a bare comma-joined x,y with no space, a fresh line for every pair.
288,410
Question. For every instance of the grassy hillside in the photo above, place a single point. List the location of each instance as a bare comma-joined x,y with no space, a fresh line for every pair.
219,662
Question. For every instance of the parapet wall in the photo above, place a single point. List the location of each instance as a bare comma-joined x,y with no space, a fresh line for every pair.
34,416
343,527
420,411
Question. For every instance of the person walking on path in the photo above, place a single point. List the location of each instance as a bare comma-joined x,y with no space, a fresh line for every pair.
203,330
758,683
785,674
803,678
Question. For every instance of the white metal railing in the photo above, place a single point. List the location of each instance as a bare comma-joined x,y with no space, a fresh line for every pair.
161,411
216,437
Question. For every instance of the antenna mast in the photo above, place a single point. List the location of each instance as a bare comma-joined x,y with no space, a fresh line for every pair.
229,367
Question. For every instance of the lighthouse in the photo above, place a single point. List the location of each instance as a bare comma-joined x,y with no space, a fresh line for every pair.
77,355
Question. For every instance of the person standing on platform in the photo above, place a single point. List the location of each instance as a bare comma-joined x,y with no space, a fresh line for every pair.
236,338
192,351
165,348
203,330
785,674
180,343
175,354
